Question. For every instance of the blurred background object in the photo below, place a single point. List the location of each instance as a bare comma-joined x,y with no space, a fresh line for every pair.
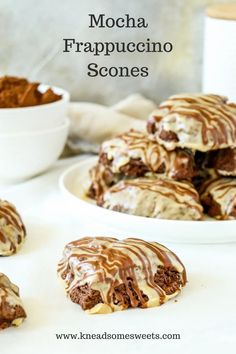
219,64
31,34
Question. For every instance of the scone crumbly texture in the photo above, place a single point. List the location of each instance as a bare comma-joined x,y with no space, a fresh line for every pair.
225,162
218,197
154,198
12,229
12,312
201,122
103,274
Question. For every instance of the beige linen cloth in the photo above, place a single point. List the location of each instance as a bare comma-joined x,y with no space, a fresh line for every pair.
92,123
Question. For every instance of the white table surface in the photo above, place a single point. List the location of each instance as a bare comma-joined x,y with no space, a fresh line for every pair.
204,314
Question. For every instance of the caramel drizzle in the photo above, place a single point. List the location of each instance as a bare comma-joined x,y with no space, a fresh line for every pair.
167,188
112,262
12,219
6,283
147,269
219,188
161,254
150,152
216,123
138,142
208,99
218,118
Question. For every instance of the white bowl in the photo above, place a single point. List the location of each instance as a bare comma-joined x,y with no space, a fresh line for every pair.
35,118
24,155
74,183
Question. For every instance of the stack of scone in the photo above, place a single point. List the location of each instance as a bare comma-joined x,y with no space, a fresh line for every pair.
184,165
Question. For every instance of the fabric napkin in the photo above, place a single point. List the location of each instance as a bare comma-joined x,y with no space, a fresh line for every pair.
93,123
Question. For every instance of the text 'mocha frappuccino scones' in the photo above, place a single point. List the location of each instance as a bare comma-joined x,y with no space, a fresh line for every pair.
12,229
103,274
201,122
12,312
157,198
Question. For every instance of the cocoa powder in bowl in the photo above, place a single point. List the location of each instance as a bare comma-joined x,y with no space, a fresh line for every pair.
18,92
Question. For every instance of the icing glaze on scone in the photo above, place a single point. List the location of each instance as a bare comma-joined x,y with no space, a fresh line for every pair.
12,312
225,162
103,274
136,146
134,154
199,122
219,198
12,229
155,198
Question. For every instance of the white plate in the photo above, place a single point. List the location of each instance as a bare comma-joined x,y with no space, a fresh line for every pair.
74,182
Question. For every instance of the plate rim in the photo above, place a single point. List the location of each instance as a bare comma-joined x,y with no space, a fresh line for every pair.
85,161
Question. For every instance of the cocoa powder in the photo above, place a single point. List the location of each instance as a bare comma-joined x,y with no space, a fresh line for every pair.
19,92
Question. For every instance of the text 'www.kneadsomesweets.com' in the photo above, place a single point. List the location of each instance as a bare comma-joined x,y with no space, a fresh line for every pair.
117,336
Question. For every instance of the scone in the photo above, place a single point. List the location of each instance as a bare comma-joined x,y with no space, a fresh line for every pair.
101,179
218,196
199,122
12,229
154,198
134,154
205,167
103,274
18,92
12,312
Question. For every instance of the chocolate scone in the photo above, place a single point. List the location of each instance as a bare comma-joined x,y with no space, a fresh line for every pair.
133,154
205,166
154,198
199,122
225,162
218,196
12,312
103,274
12,229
